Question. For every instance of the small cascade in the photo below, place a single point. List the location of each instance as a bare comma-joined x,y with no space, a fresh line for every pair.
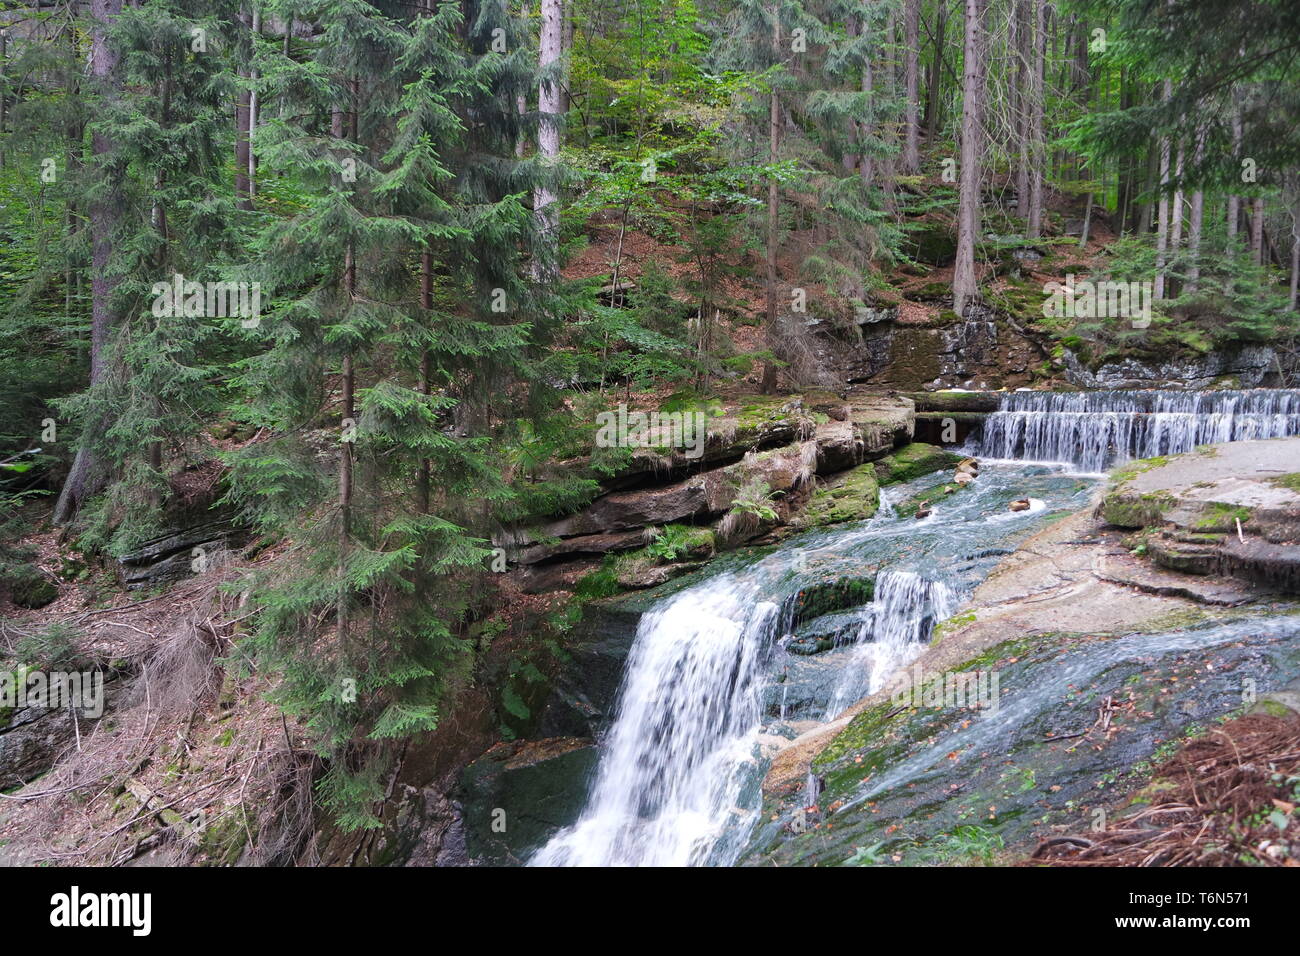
1093,430
685,732
905,610
713,672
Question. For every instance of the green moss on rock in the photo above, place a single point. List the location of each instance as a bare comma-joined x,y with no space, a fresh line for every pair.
913,461
853,496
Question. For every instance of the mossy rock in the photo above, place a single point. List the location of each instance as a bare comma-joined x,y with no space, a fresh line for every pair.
1221,518
1137,511
838,594
951,624
933,243
31,590
853,496
913,461
1291,481
931,496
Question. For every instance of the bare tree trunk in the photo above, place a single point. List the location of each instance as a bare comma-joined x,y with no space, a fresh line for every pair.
911,63
242,151
934,81
426,368
1162,217
4,59
773,211
1257,231
1038,147
1150,179
345,458
964,282
1234,200
1195,222
86,476
1294,300
550,108
865,129
566,48
252,111
1019,44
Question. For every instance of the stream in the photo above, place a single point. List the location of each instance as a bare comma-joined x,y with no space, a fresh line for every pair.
724,667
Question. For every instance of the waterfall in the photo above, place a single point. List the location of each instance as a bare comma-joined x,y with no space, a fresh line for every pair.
906,608
1093,430
683,757
684,734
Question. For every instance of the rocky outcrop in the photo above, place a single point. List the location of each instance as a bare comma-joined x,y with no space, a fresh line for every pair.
518,794
779,448
1230,509
32,738
1249,366
179,553
932,349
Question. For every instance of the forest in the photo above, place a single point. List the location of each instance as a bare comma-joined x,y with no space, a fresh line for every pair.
370,368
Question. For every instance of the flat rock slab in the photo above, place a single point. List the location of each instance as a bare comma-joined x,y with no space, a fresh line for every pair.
1124,569
1235,473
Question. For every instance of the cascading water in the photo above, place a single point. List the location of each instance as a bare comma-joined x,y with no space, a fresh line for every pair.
906,608
686,727
712,673
1093,430
678,779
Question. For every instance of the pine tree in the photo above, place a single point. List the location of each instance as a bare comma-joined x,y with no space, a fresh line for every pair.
403,306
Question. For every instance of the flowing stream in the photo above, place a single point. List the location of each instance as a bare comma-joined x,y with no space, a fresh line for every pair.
708,675
712,673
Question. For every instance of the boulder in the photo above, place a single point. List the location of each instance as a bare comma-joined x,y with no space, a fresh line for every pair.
518,794
913,461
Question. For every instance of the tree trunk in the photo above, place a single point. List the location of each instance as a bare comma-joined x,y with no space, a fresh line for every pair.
345,458
865,129
426,369
1038,147
1234,200
1295,258
1195,221
1162,216
1257,231
1019,44
242,151
4,58
934,82
964,284
86,475
252,112
773,210
911,64
550,108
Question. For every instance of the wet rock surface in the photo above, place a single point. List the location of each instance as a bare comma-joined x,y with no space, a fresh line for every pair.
517,794
1105,661
1079,721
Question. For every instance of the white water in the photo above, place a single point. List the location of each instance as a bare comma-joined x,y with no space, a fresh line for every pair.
1096,429
677,781
673,767
906,608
